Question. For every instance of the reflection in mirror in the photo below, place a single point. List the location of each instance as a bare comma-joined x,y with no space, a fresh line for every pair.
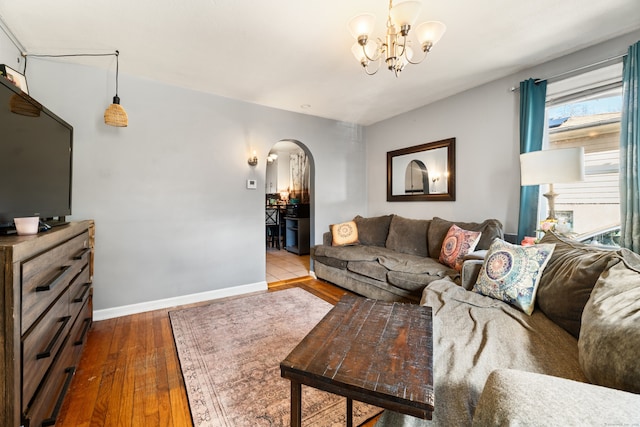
423,172
416,180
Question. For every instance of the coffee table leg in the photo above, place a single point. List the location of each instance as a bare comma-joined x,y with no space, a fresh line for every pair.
296,404
349,412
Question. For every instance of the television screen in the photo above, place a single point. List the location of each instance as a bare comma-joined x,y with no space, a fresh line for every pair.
35,158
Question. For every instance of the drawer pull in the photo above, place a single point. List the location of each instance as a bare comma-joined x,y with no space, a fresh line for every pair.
81,253
85,329
56,409
47,287
83,293
47,351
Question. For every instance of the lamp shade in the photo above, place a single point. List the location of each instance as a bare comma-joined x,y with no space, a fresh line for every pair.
558,166
405,13
362,25
115,114
430,32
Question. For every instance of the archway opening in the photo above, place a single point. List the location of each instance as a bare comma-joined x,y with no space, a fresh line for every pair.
289,210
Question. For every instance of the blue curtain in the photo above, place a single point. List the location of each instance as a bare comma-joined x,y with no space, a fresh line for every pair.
532,106
629,155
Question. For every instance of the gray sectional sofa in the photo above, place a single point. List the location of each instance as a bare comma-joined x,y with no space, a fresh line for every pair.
572,362
395,257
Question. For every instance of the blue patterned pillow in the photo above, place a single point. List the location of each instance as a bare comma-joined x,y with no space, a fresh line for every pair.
511,273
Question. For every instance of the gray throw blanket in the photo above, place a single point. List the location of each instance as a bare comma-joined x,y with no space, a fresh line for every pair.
474,335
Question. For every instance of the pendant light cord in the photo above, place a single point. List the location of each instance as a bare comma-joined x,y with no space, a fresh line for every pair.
117,70
35,55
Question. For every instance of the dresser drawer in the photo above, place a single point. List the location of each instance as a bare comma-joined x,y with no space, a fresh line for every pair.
46,276
45,408
79,291
80,330
40,347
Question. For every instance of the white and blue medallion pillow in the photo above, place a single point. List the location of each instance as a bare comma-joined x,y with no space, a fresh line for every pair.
511,273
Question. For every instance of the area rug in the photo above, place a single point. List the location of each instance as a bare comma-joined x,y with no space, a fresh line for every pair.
230,353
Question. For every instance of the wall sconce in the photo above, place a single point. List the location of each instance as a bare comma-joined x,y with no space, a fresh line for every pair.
253,161
272,157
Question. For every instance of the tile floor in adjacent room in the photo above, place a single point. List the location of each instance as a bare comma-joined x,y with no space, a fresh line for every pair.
284,265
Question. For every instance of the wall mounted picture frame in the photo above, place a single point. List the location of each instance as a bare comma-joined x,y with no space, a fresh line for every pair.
14,77
425,172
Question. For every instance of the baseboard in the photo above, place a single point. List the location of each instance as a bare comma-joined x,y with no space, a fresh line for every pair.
125,310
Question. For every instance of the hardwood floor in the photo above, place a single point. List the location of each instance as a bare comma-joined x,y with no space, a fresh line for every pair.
129,374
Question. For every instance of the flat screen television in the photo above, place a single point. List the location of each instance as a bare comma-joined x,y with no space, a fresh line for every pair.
36,159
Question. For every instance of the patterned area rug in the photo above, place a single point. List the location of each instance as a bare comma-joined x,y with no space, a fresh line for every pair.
230,354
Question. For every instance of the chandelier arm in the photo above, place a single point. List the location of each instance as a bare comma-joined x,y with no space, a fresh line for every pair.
366,68
426,53
376,57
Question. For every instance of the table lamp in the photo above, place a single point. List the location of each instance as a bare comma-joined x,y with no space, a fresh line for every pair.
556,166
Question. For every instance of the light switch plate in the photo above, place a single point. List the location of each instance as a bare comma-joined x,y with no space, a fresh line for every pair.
252,184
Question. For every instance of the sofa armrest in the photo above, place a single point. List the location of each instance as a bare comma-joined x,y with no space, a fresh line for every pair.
469,273
513,397
481,254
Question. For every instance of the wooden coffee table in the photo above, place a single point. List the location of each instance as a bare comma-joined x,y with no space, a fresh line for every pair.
366,350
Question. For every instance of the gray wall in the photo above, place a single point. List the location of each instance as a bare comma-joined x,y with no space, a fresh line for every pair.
168,193
485,123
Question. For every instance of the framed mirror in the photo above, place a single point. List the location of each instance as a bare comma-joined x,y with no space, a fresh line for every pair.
422,173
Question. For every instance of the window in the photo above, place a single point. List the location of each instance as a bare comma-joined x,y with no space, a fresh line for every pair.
585,111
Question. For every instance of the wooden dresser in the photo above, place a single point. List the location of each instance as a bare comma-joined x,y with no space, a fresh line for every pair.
46,312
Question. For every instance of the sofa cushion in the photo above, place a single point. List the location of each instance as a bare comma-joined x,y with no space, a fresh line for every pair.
511,273
610,334
371,269
373,231
411,282
439,227
345,233
332,262
507,399
352,253
568,278
408,236
415,264
472,336
457,244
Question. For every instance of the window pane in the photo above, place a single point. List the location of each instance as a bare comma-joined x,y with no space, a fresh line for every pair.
593,122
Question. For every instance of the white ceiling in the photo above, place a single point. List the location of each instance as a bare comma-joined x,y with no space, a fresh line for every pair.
295,54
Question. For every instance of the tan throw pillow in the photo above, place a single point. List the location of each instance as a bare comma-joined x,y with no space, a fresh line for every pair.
344,234
457,244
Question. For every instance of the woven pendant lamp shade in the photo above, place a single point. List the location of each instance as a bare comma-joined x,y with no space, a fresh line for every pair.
115,114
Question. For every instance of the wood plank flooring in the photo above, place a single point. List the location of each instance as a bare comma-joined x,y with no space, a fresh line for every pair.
129,374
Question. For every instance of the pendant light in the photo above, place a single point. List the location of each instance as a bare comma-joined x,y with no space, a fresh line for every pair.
115,114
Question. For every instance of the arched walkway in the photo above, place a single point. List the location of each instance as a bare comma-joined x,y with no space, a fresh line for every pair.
289,189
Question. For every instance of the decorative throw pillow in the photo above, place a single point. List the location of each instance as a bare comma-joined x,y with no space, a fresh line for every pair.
344,234
511,273
458,243
490,228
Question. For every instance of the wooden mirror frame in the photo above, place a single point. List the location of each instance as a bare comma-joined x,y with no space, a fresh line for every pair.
415,151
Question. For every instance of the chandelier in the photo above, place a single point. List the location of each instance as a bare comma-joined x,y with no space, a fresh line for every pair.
395,48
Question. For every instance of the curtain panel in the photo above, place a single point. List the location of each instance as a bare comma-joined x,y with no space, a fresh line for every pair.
629,151
532,108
